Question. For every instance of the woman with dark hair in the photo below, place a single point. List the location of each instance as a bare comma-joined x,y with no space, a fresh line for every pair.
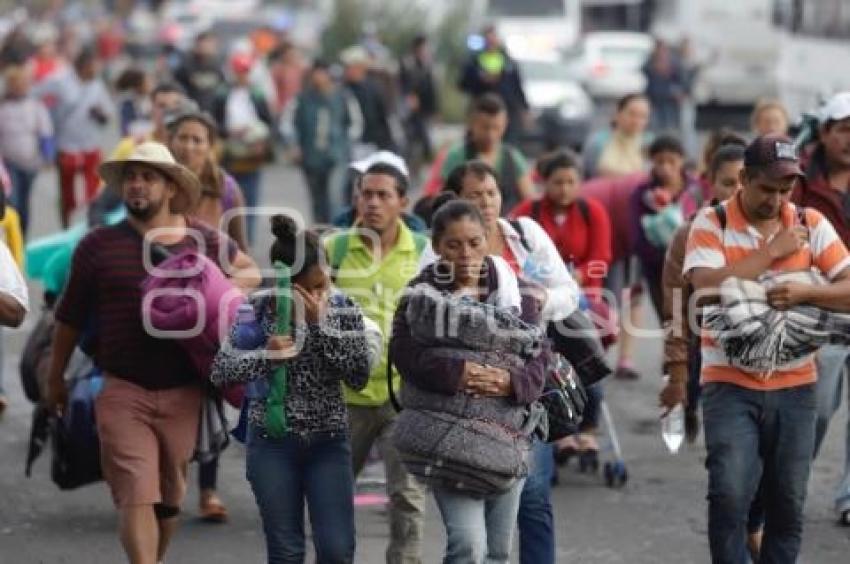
298,445
483,378
192,139
581,231
620,149
530,253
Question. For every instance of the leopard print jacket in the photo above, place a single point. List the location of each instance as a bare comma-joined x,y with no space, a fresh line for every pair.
333,351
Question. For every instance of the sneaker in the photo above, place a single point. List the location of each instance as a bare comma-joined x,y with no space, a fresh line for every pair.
691,426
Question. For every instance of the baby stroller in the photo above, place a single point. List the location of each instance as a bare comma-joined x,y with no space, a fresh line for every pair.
586,352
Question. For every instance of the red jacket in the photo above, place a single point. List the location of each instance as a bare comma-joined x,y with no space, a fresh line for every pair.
584,245
815,192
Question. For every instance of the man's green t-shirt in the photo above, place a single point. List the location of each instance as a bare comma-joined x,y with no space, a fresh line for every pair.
456,156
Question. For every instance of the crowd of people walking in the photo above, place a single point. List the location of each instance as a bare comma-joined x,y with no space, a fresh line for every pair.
445,287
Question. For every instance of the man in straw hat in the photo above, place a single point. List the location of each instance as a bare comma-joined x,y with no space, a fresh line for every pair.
147,413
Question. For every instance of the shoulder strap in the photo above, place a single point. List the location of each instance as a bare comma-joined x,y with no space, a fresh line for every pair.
720,210
508,176
393,398
339,248
584,210
515,223
536,206
469,153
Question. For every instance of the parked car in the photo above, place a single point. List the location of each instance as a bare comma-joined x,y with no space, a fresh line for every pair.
561,109
608,63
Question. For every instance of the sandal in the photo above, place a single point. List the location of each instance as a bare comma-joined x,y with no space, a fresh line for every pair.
213,510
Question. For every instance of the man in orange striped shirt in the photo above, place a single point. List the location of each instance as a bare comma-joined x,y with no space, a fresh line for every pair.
754,425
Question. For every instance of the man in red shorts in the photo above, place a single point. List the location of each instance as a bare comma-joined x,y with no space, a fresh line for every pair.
148,411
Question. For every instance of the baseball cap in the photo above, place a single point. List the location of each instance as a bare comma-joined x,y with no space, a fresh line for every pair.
355,55
381,157
775,155
836,108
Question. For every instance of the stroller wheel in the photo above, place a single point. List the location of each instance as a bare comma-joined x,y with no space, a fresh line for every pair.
588,461
616,474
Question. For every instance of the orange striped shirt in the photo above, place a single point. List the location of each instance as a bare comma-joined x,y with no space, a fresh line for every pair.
709,246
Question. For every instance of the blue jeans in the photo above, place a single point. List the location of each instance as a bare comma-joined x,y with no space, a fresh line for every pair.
478,530
249,182
535,521
22,180
832,362
754,437
283,473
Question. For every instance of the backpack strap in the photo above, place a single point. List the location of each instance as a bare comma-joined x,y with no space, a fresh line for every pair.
536,206
338,250
584,210
720,210
515,223
508,177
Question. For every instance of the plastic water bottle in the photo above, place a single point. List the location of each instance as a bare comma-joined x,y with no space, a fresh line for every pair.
249,336
673,429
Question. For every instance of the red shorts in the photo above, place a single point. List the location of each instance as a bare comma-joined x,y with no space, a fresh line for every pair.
147,438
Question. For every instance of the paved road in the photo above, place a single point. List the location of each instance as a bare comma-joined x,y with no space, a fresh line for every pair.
659,517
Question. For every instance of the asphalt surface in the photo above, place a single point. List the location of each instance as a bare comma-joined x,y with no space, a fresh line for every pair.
658,517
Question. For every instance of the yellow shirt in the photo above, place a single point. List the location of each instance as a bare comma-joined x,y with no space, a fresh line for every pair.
376,285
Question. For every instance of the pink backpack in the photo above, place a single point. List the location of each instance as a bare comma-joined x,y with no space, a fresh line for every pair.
188,298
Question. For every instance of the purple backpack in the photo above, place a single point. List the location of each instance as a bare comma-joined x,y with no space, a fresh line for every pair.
188,298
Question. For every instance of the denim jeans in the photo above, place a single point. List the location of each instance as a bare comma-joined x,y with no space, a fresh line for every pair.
22,181
478,530
326,191
283,474
754,436
249,183
535,520
832,362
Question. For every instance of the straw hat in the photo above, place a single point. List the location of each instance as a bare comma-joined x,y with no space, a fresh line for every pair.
157,156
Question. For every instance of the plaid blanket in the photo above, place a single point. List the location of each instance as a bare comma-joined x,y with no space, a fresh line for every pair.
760,339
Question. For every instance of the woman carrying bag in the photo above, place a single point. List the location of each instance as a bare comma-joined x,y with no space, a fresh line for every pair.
469,346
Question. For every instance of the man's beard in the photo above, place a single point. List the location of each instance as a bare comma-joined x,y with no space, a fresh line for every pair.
144,213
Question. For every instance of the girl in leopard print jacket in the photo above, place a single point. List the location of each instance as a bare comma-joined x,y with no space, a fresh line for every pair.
309,458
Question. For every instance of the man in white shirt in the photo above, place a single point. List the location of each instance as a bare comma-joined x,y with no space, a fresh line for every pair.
14,301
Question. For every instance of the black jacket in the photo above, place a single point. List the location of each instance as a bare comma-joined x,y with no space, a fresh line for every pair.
509,86
374,114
